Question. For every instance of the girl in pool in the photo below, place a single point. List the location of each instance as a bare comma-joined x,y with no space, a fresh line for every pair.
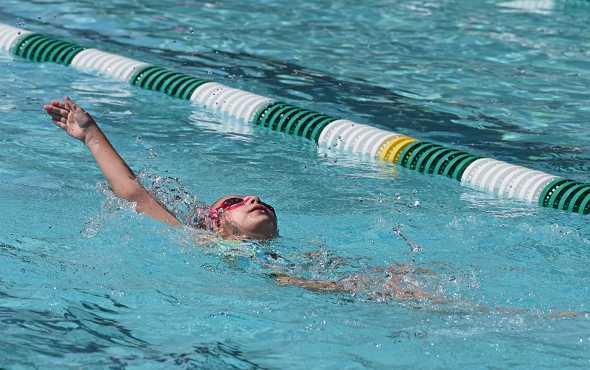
232,216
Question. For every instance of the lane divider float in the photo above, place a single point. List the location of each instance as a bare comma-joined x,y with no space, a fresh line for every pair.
487,174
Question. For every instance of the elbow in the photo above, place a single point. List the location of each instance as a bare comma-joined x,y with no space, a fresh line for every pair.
135,193
142,200
139,196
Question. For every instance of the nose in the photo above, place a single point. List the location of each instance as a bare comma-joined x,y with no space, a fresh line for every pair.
251,199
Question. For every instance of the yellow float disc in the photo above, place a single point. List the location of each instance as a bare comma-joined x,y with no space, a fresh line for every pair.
391,149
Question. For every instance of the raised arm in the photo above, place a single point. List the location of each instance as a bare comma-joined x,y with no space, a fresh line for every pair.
80,125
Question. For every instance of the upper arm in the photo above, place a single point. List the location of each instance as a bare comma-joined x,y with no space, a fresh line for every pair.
147,204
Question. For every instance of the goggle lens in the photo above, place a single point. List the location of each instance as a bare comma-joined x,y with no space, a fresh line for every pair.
231,202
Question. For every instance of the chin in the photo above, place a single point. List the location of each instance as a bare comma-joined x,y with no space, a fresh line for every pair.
270,234
262,221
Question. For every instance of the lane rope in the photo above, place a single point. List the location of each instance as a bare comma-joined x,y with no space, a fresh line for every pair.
486,174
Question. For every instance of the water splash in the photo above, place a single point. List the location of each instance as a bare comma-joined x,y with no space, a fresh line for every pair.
110,206
414,247
170,192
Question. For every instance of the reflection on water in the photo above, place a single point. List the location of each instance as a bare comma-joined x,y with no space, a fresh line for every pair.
534,6
84,328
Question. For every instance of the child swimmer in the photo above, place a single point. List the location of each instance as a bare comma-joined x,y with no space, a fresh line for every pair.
231,216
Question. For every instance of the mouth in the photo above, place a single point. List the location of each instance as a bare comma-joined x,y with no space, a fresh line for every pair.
260,207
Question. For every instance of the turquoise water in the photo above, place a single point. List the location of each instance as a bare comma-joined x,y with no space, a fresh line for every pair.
86,283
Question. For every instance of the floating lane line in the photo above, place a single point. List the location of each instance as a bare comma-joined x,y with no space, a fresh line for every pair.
487,174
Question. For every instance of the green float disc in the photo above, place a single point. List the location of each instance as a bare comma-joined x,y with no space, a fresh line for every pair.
21,47
183,88
28,45
315,135
461,167
192,87
47,52
585,206
167,84
557,194
75,50
175,83
292,123
268,113
147,82
408,150
434,159
271,113
137,75
549,190
421,165
280,113
303,122
36,48
418,153
288,115
578,198
159,84
315,122
454,162
567,195
262,113
442,163
55,52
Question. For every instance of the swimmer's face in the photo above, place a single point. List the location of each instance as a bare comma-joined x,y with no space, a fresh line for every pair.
246,216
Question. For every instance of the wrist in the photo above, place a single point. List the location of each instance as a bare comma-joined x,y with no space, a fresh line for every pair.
92,133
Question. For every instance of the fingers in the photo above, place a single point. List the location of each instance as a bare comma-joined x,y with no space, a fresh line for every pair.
59,118
57,103
70,105
54,110
67,106
58,112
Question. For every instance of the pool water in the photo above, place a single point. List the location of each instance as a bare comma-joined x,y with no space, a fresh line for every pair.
86,283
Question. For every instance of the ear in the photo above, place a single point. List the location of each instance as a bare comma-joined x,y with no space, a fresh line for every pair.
226,226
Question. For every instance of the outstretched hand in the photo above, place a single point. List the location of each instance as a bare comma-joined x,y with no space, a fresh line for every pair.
70,117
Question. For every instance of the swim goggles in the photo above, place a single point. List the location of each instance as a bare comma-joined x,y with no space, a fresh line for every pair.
236,202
